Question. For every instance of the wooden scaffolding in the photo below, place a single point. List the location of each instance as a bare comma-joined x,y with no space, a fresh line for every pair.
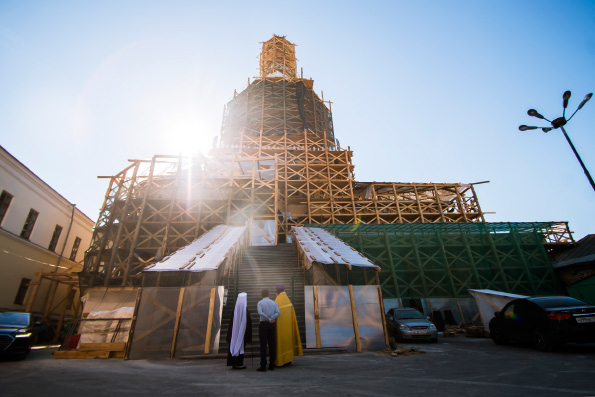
276,164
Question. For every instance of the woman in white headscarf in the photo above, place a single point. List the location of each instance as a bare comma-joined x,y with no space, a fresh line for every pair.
239,332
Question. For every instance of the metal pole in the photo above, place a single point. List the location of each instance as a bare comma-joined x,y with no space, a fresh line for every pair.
579,158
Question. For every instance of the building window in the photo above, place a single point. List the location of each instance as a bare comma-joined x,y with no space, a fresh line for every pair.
55,238
29,223
5,199
22,292
75,248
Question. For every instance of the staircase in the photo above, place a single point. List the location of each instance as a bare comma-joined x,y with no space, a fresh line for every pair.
260,268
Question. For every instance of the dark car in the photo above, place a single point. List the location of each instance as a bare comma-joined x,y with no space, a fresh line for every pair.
546,321
408,323
16,334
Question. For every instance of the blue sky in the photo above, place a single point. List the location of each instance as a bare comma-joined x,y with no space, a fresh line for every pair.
422,91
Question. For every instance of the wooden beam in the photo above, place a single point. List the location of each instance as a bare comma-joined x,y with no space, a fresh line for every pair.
316,317
119,346
50,299
133,324
177,323
210,321
384,328
34,292
76,354
61,321
358,345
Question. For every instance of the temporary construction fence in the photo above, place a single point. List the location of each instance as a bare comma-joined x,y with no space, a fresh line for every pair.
174,322
349,317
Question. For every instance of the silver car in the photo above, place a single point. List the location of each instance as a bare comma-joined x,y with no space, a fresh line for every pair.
408,323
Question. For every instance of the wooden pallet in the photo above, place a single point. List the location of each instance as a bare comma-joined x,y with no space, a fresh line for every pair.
93,350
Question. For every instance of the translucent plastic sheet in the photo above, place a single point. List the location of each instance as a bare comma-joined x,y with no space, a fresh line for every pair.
335,318
154,332
194,321
155,320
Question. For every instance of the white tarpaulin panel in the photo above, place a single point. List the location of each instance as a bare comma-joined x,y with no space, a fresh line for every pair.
95,330
490,301
205,253
318,245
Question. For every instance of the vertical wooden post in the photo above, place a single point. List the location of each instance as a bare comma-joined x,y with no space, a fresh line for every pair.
76,306
461,312
61,321
34,292
358,345
177,323
316,317
384,329
133,323
210,321
51,295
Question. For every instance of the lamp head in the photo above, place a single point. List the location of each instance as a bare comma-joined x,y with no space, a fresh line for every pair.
565,98
587,97
526,127
534,113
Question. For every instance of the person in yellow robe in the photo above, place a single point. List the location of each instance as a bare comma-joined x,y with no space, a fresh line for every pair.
289,344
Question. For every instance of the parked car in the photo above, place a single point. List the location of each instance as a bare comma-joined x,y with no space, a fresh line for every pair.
408,323
547,321
16,334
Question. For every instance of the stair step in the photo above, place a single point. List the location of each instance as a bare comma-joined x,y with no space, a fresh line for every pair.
266,267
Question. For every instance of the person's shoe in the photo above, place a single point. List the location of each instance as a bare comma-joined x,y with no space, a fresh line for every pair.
262,369
239,367
272,367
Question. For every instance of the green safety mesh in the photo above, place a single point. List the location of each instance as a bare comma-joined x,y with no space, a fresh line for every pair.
444,260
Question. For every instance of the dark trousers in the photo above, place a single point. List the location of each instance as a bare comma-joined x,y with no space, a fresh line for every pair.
266,335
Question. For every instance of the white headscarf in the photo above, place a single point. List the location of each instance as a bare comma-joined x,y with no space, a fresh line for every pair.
236,347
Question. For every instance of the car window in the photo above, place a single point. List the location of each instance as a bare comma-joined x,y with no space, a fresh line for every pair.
558,301
509,312
20,319
408,314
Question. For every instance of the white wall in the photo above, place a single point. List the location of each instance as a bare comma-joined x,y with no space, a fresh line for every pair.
21,258
30,192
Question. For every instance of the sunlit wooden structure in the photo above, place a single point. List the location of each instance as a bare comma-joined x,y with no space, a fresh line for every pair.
276,164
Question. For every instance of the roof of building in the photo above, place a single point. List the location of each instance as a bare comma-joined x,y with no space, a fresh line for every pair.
581,253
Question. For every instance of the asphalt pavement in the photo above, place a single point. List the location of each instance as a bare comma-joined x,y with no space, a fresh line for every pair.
459,366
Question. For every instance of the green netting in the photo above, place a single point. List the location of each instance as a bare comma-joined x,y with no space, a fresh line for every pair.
444,260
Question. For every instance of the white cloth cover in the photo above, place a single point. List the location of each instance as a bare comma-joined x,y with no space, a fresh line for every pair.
490,301
205,253
236,346
318,245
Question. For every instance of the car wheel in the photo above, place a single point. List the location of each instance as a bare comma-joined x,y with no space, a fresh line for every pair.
543,342
497,337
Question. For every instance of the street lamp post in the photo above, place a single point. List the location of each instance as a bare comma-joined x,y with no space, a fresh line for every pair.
560,122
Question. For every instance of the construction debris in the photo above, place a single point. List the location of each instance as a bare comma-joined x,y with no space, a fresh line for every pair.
405,351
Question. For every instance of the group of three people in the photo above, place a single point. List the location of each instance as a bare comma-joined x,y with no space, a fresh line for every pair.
278,330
